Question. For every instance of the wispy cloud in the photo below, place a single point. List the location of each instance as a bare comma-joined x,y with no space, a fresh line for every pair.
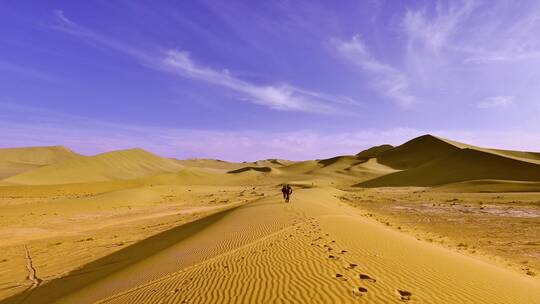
434,32
387,79
284,96
459,52
498,41
497,102
69,27
463,27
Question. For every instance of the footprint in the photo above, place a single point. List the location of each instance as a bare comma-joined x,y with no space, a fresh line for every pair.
360,291
332,257
367,278
404,295
351,266
340,277
343,251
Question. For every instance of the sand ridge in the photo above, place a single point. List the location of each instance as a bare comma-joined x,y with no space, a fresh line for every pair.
317,259
18,160
124,164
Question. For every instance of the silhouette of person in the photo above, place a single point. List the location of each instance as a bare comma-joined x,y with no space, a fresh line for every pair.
287,191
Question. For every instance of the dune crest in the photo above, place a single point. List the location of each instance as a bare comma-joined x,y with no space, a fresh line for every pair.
416,152
256,169
122,164
374,151
430,161
17,160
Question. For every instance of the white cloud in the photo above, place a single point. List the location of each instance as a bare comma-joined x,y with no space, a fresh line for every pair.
434,33
460,52
465,28
278,97
284,97
388,80
69,27
60,15
497,41
497,102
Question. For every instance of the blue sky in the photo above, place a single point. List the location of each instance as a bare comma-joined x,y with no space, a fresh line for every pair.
246,80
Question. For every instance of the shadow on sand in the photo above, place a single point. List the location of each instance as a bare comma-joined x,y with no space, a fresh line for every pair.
52,291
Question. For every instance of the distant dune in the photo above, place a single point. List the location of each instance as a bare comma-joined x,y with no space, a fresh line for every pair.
246,169
124,164
374,151
209,163
17,160
423,161
430,161
416,152
272,162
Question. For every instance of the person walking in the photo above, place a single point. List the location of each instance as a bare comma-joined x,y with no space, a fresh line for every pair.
287,191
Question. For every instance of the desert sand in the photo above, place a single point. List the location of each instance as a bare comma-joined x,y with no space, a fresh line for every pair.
429,221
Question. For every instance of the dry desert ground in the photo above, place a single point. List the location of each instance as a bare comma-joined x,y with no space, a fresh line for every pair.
429,221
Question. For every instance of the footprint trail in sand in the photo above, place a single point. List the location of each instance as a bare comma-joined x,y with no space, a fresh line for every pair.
313,250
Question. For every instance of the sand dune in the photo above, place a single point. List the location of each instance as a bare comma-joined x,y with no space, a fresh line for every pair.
339,161
416,152
315,250
205,163
17,160
465,164
347,165
430,161
257,169
132,227
273,162
374,151
518,155
124,164
302,167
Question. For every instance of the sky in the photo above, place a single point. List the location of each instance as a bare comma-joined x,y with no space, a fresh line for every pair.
248,80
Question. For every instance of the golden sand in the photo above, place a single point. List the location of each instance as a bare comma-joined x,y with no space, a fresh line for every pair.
132,227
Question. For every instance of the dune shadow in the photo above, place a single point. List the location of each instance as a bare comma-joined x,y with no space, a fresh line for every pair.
54,290
258,169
